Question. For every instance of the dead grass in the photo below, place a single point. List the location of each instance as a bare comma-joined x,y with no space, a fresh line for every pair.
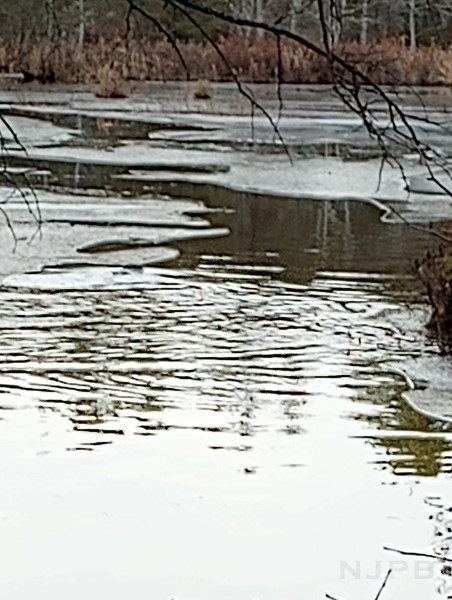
110,83
254,60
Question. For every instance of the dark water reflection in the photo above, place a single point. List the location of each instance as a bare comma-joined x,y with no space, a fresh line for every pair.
307,236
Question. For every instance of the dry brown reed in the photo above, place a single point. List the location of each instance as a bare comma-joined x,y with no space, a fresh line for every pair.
110,83
254,59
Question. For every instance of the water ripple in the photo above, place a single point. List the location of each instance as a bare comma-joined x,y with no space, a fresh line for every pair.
178,350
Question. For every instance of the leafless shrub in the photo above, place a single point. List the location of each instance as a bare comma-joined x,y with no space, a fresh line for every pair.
435,272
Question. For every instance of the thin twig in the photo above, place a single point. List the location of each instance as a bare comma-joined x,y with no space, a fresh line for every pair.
180,7
426,230
418,554
383,585
134,7
358,79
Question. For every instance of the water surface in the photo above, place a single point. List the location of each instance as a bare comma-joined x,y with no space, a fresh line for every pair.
204,397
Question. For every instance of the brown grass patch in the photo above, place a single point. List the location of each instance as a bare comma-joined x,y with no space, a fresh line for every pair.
110,83
253,59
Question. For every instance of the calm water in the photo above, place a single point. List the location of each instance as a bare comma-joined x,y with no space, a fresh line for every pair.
229,425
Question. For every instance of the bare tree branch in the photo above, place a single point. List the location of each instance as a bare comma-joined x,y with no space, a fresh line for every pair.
345,76
179,6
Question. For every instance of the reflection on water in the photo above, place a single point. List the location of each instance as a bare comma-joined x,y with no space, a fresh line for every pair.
404,441
239,408
226,365
237,355
307,236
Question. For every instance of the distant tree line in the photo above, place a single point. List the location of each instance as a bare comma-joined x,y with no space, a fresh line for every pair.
415,21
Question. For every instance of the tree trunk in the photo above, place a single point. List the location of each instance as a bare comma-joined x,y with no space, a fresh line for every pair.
295,10
364,34
412,18
335,19
81,29
259,14
50,19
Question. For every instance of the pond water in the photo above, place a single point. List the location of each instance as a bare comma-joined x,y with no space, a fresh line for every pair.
202,389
